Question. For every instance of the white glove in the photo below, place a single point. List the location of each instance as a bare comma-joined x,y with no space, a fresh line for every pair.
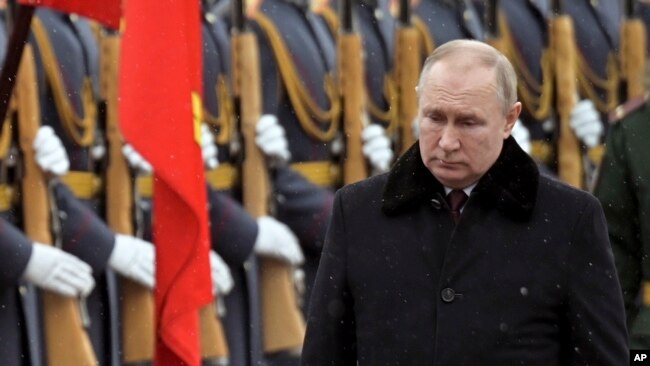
275,239
521,134
222,282
52,269
271,138
208,148
586,123
136,160
376,147
50,153
134,258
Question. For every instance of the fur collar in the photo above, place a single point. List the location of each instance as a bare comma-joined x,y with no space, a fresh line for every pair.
510,185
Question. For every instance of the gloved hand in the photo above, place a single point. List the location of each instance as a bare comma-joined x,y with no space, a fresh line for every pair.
376,147
222,282
208,148
136,161
275,239
586,123
134,258
52,269
521,134
50,154
271,138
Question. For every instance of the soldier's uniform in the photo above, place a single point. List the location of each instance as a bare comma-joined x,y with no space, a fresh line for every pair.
233,230
441,21
297,56
623,189
524,35
67,62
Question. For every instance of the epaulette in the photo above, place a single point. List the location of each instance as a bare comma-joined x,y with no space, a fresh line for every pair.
626,108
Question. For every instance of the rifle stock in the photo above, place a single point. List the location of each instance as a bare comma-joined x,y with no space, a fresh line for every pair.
137,301
282,322
351,73
66,340
562,43
407,71
633,53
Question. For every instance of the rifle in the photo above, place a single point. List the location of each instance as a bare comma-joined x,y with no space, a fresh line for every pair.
407,70
351,73
282,321
66,340
562,44
492,21
137,301
632,53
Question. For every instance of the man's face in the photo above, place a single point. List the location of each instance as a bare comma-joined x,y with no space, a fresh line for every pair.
462,124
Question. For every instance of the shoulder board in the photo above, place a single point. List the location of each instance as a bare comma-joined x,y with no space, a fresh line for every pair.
627,108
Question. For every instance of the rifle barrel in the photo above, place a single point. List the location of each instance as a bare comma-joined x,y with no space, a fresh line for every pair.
238,22
491,21
404,12
346,15
15,48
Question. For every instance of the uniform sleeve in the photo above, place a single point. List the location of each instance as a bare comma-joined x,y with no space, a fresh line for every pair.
330,338
617,195
83,233
596,316
271,85
303,206
15,250
232,229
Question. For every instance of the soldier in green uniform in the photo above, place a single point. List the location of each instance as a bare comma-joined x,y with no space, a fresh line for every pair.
624,191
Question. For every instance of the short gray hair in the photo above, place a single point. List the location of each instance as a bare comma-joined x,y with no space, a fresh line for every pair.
487,56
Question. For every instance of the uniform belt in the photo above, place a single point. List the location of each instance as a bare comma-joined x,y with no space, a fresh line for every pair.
321,173
7,195
224,177
84,185
144,186
542,151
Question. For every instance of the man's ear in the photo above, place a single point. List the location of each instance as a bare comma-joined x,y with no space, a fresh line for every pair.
511,119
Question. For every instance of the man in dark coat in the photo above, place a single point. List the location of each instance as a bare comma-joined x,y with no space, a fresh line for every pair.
520,273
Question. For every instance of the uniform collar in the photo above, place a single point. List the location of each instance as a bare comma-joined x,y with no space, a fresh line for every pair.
510,185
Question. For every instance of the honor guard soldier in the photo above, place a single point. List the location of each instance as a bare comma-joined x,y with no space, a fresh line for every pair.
68,63
623,191
27,262
236,235
298,65
524,35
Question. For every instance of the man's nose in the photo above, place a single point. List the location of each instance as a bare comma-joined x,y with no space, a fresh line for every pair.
449,139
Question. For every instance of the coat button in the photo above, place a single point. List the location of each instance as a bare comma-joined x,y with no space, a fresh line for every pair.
448,295
436,203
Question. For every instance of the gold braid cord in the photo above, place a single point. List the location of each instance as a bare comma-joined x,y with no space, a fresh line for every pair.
588,81
537,99
303,104
81,130
223,122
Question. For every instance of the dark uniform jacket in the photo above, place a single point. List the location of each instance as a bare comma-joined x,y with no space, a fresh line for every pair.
624,190
526,277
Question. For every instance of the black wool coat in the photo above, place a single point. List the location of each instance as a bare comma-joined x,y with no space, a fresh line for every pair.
527,276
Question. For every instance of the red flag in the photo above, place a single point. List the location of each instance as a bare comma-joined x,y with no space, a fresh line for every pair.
160,108
107,12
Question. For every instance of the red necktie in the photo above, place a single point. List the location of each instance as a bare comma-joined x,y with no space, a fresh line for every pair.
456,199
